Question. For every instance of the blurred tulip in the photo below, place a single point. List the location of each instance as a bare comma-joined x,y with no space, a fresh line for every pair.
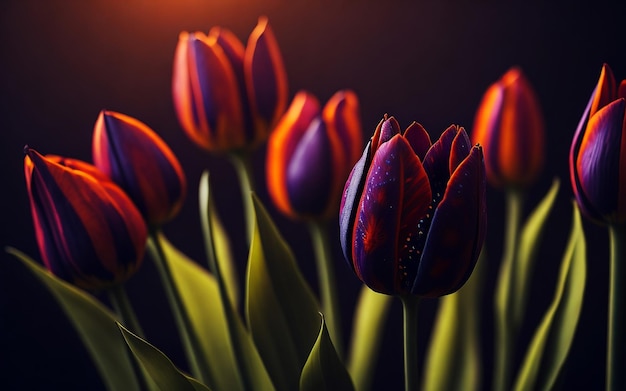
509,126
88,231
140,162
598,153
413,215
228,97
311,153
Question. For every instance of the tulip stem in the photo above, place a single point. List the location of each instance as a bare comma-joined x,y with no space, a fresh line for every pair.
241,162
197,365
505,327
409,311
122,307
328,286
616,348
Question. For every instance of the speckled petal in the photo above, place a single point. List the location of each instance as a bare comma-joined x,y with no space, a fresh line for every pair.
457,231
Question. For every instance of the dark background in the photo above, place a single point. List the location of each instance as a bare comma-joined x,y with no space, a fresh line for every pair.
61,62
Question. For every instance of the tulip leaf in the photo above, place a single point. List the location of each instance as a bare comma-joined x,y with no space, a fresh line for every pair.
552,340
158,366
370,317
281,309
94,323
453,356
529,241
251,367
216,242
323,369
201,300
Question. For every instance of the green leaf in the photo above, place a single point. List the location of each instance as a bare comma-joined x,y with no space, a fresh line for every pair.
201,300
94,323
217,242
281,308
552,340
323,369
453,357
156,365
369,321
251,368
529,241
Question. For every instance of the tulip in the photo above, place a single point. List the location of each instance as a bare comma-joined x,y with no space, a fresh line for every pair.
598,153
413,215
228,97
310,154
88,231
509,125
141,163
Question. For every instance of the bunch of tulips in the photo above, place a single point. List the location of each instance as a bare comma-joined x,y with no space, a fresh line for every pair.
412,217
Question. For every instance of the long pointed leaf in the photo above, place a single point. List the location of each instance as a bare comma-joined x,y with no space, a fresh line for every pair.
94,323
281,308
552,340
453,358
529,241
156,364
323,369
370,317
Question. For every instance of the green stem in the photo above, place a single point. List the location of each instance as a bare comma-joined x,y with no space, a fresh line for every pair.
328,286
123,308
505,327
206,209
191,344
241,162
616,348
409,311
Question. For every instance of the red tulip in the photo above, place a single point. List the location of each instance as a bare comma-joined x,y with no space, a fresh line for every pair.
509,126
88,231
311,152
140,162
228,97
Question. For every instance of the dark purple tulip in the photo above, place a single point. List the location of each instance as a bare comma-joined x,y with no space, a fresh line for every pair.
598,153
88,231
413,215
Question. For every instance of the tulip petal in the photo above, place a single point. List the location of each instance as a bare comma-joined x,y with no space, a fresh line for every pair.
266,78
457,231
419,139
461,146
281,145
396,195
605,91
307,183
341,115
598,160
437,162
350,200
388,130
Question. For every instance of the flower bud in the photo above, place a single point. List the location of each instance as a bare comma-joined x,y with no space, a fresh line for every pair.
88,231
141,163
509,126
310,154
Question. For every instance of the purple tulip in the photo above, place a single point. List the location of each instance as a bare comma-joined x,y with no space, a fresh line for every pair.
413,215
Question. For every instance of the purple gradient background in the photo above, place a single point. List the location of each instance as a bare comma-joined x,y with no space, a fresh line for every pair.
61,62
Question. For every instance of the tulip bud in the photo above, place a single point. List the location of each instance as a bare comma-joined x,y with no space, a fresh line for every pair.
228,97
311,153
140,162
413,215
509,125
598,153
88,231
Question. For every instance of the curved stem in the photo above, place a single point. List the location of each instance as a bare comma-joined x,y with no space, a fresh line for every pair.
616,348
409,311
505,328
197,365
241,162
123,308
328,286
